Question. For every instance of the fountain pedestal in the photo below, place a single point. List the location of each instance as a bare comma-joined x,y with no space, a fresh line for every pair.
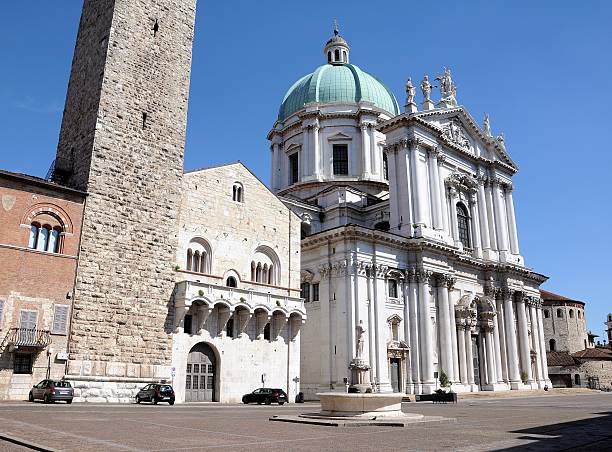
359,376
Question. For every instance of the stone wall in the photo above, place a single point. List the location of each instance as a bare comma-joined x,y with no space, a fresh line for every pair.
124,133
568,331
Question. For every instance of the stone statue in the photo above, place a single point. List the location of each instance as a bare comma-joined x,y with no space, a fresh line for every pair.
360,339
448,90
426,89
486,125
410,92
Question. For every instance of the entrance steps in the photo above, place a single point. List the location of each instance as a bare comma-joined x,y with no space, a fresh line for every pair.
521,393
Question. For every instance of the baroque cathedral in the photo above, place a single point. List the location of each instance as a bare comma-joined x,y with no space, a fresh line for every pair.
386,241
410,252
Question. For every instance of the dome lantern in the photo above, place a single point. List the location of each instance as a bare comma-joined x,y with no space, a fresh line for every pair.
337,49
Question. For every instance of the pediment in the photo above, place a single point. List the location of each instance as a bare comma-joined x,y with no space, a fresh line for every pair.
458,129
293,147
339,137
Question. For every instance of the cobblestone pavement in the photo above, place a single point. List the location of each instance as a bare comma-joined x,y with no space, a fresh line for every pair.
552,422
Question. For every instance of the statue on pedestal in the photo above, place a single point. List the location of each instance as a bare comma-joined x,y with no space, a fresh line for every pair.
426,89
359,366
448,90
486,125
410,92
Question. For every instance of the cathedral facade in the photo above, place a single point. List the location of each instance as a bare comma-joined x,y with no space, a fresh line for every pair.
410,252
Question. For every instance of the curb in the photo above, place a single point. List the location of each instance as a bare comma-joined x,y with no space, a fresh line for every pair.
25,443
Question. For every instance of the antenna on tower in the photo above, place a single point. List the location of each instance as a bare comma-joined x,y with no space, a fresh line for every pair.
336,27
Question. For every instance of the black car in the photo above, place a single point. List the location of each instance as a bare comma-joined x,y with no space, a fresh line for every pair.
265,395
52,391
156,393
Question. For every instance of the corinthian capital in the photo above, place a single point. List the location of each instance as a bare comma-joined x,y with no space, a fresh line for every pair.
434,152
414,143
424,275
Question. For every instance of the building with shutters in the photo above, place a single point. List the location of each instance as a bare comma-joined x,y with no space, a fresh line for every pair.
39,244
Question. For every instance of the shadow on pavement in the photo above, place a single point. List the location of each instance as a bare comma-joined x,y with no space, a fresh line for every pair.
593,434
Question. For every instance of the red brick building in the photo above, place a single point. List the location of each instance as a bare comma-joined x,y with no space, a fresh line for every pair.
40,226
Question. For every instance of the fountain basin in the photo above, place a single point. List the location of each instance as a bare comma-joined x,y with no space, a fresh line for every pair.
341,404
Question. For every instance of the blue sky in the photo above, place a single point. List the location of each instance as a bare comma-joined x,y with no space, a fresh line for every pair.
542,70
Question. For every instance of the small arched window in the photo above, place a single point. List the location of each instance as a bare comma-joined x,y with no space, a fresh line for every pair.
577,380
344,56
329,56
571,313
33,239
196,262
463,225
237,192
553,345
579,314
229,327
337,55
189,259
43,238
559,313
546,313
266,331
270,274
231,282
54,240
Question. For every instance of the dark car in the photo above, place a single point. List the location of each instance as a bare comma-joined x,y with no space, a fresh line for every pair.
265,395
52,391
156,393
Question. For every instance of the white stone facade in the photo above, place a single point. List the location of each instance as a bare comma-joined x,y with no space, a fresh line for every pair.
418,244
219,301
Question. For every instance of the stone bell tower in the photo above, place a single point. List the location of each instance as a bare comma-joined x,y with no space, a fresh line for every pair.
122,141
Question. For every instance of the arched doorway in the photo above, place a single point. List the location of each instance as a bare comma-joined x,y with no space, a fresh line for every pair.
201,374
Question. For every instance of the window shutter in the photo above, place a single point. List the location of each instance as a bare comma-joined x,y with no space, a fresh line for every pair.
27,320
60,318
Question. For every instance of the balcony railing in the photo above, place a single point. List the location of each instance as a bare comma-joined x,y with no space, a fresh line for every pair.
27,338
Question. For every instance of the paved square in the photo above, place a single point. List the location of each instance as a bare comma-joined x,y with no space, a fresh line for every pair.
551,422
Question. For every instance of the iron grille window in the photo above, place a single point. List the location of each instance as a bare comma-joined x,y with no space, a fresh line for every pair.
305,291
22,363
294,168
463,224
315,292
341,159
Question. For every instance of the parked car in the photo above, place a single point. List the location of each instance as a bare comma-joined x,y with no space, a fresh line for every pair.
52,391
156,393
265,395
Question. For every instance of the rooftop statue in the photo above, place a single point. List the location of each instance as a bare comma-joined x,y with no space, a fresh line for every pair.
448,90
410,91
426,89
486,125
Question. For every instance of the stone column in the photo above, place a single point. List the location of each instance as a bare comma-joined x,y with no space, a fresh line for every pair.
412,300
491,375
326,352
273,175
501,223
365,156
418,183
382,368
475,226
462,351
497,349
482,214
404,208
542,351
375,160
490,214
443,198
351,307
426,349
405,284
444,327
434,185
535,340
524,339
513,369
514,247
304,166
502,334
316,171
469,356
453,219
453,323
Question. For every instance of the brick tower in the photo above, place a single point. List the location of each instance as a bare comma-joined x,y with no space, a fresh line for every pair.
122,141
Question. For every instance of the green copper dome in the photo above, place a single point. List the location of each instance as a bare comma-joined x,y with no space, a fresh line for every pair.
333,83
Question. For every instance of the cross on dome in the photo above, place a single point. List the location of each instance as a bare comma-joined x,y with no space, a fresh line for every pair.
337,49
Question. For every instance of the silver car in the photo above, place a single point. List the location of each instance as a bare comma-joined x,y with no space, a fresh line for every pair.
52,391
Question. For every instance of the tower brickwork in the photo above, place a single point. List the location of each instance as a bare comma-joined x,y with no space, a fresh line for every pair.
122,141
